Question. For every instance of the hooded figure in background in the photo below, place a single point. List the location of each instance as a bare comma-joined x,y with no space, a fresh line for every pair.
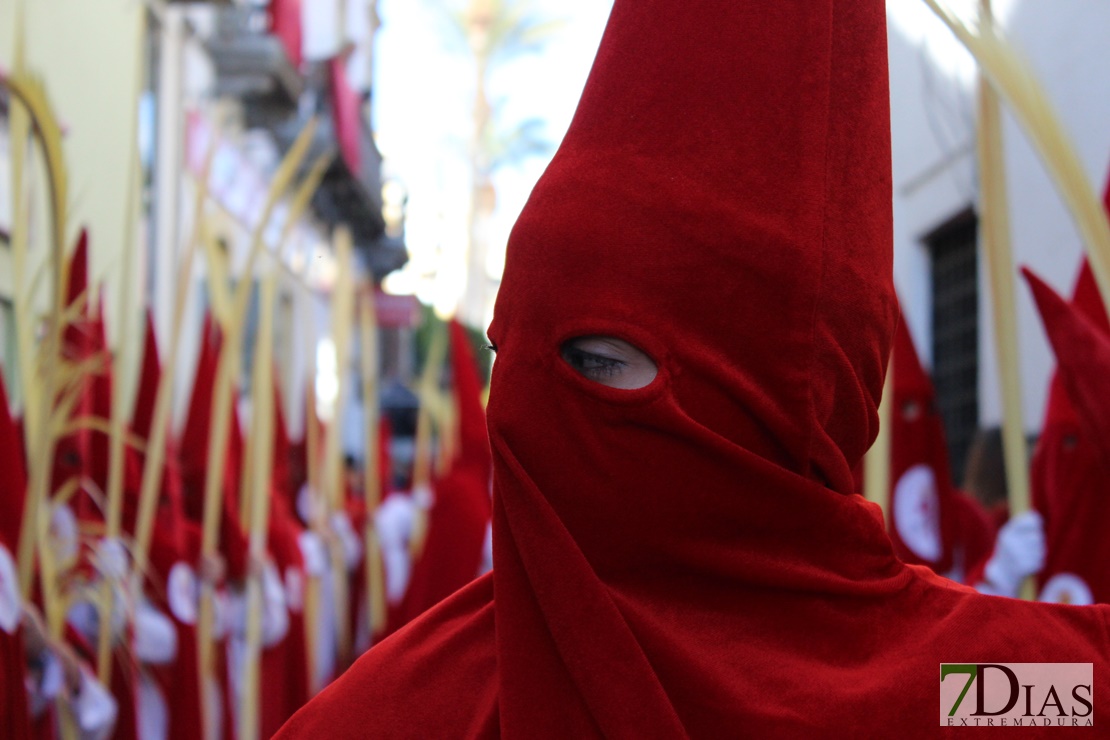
1071,463
932,522
687,558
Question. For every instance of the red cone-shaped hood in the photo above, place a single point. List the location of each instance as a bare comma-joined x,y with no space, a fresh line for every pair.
150,373
13,482
460,515
909,377
75,337
1083,357
83,454
473,438
921,510
81,339
1087,298
100,389
77,278
283,474
168,539
722,200
194,436
690,210
283,529
194,454
1070,464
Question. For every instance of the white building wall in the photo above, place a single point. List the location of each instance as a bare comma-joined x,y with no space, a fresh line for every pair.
933,128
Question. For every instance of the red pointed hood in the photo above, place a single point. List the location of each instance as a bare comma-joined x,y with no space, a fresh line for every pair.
675,216
473,438
167,546
234,542
75,337
722,200
83,454
150,371
13,482
283,525
100,388
921,510
149,374
1087,298
1070,464
385,444
1060,414
909,377
78,340
193,454
194,436
1083,353
77,277
691,211
283,472
458,519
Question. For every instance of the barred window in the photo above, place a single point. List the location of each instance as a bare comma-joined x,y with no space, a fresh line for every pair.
955,293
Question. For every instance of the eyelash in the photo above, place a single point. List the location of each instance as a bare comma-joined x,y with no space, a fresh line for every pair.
591,365
586,363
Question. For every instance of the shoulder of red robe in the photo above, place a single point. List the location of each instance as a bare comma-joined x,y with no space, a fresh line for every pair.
1014,629
437,677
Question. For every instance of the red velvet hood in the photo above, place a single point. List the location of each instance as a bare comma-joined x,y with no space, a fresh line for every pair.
1082,350
194,454
460,515
1070,465
150,372
921,512
473,439
722,200
13,483
76,454
168,539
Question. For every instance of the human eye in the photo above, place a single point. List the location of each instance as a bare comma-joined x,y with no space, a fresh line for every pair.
592,365
610,361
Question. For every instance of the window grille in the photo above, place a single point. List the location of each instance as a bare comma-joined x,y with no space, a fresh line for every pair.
955,318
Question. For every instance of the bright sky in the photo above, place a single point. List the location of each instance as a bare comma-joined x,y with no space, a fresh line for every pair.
422,102
920,26
422,116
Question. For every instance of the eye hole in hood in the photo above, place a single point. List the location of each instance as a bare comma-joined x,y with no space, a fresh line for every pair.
609,361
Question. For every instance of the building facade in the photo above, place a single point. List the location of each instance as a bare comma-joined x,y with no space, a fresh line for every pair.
941,280
234,80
